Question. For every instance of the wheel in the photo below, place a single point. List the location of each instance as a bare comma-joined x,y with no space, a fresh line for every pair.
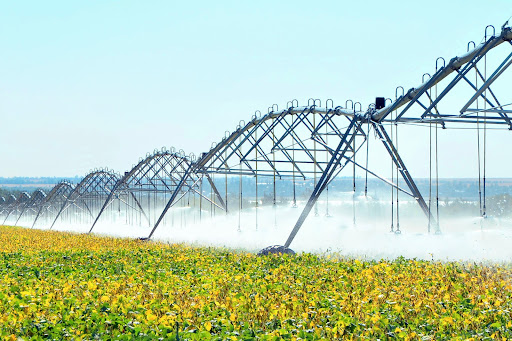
276,249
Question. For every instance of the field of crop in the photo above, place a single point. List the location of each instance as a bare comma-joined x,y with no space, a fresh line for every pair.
56,285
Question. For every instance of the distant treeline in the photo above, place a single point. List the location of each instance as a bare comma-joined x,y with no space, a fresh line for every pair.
449,189
21,180
17,185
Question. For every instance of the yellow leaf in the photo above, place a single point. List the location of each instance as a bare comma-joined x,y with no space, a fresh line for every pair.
91,286
150,316
447,320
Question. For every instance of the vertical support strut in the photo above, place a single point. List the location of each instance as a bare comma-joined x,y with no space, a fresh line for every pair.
484,209
256,181
329,171
327,188
201,200
274,173
294,205
397,231
212,185
226,184
354,184
240,192
315,165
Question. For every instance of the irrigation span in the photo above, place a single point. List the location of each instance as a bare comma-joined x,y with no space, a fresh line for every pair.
316,142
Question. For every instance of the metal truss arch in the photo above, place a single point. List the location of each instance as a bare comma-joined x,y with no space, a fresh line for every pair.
286,143
153,185
32,206
54,200
15,205
88,196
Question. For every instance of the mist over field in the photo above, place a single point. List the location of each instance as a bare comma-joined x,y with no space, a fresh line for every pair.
462,237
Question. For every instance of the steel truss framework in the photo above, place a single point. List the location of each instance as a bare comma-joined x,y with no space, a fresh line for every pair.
153,186
50,207
299,142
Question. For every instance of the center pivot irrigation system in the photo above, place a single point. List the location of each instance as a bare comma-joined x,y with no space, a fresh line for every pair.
295,144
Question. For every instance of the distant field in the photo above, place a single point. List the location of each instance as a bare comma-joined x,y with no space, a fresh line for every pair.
30,185
56,285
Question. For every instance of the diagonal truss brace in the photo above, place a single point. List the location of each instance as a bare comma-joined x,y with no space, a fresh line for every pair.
328,173
397,160
174,197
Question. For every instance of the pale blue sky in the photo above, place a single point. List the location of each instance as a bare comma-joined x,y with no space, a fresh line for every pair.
86,84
